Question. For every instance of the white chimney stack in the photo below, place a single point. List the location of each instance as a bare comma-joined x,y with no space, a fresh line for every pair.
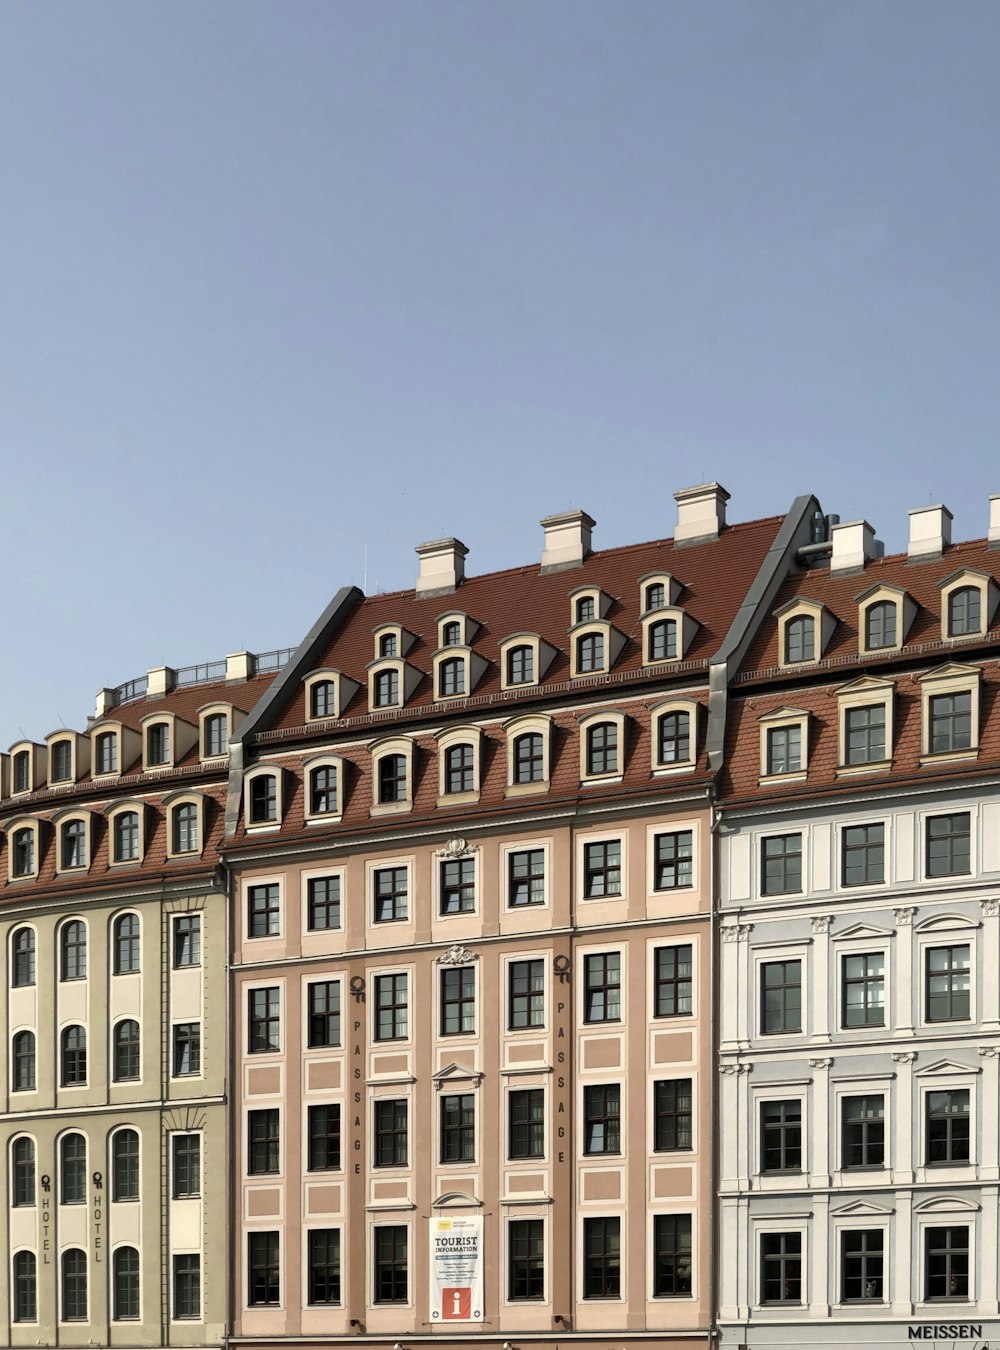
442,566
567,540
853,547
701,512
994,536
930,532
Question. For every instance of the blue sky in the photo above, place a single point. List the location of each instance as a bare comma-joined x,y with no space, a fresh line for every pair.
286,285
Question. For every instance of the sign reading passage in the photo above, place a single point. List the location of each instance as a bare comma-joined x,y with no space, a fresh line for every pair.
456,1270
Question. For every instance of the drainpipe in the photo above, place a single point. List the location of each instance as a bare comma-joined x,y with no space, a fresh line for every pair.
713,1090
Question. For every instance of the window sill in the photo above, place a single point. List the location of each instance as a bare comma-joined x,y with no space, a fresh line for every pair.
598,779
324,818
668,770
391,808
458,798
870,766
777,779
527,789
951,756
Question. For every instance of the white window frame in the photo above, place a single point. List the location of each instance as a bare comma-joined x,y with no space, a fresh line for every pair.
949,679
310,816
784,719
596,836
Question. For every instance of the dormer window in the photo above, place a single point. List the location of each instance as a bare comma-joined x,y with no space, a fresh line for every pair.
656,595
674,735
185,834
459,769
262,802
23,851
392,776
323,699
968,603
391,779
61,762
21,771
125,839
585,609
529,755
215,735
800,639
589,651
661,640
458,765
451,677
323,790
880,625
73,845
965,611
451,634
521,665
529,758
158,744
602,743
387,689
106,753
388,645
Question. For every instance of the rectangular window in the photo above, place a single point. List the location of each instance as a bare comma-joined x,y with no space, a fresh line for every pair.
264,906
948,983
602,1258
264,1020
949,845
525,1259
324,1138
263,1142
861,1258
391,1148
187,940
602,987
781,1268
602,869
392,1007
324,1266
674,981
187,1048
526,877
784,749
864,990
672,1255
186,1149
672,1108
458,886
324,1013
781,1136
187,1287
527,995
323,903
864,735
950,723
263,1270
780,997
948,1126
458,1000
946,1263
602,1118
458,1127
864,1131
863,855
391,1263
526,1123
781,864
391,894
674,860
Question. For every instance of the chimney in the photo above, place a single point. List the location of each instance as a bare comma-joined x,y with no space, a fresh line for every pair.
854,545
567,540
930,532
442,566
161,680
994,536
701,513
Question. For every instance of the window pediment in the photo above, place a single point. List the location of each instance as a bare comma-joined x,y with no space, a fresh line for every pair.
940,922
945,1204
858,931
953,670
859,1208
785,714
946,1067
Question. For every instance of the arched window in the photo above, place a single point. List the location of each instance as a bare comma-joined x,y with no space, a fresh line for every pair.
590,652
158,744
451,634
25,1287
800,638
388,645
880,625
73,951
22,946
392,778
74,1056
521,665
263,798
73,1170
585,609
126,1050
655,595
126,1285
674,738
185,826
127,944
323,790
62,762
24,1062
216,734
126,836
323,699
662,640
451,677
22,1156
23,852
74,844
529,758
125,1165
602,748
386,688
22,771
74,1285
459,769
964,611
106,752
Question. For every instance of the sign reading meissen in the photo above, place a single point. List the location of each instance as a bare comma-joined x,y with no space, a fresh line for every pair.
947,1331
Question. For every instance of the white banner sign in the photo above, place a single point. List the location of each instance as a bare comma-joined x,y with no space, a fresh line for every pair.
456,1270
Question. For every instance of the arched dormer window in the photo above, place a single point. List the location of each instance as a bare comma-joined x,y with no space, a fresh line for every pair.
23,1062
73,950
529,758
186,825
106,752
21,771
655,596
585,609
459,750
674,729
24,851
392,776
73,1057
323,790
800,639
451,678
322,699
451,634
386,689
392,785
589,653
388,645
881,625
529,751
215,735
126,944
661,640
61,761
521,664
263,797
125,830
327,694
22,953
965,611
157,745
602,744
968,603
459,768
72,844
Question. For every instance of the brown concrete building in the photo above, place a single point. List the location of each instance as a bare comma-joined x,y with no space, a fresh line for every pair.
469,839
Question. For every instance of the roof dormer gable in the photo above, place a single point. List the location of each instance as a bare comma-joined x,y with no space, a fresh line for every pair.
804,630
658,590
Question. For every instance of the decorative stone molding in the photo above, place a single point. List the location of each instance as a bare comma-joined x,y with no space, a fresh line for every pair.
990,908
735,1068
457,955
455,848
904,1056
820,1063
821,923
989,1051
904,916
737,932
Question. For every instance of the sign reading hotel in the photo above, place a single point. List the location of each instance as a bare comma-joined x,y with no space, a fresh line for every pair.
456,1270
